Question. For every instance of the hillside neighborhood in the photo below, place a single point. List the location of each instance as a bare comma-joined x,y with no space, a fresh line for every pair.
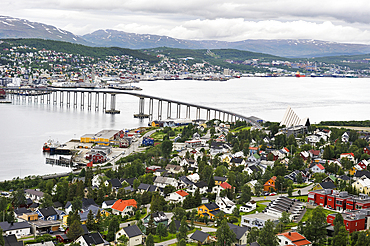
211,183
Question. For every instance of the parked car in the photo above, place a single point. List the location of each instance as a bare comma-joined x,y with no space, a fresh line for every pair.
272,194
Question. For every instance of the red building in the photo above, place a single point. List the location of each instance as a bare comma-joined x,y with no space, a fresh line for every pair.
367,150
96,157
353,220
319,197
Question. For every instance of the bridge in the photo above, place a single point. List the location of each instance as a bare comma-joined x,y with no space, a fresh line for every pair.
50,95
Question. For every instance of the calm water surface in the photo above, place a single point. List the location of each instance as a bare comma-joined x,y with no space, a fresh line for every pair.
26,125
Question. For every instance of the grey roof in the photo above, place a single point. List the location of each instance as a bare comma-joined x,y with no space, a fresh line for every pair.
221,179
238,230
327,185
34,192
130,181
20,211
199,236
361,173
11,240
152,188
344,177
115,183
143,186
254,244
58,204
109,202
49,211
88,202
201,184
254,168
93,238
186,180
211,206
132,231
6,226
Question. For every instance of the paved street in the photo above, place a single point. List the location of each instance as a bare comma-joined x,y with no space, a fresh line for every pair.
304,192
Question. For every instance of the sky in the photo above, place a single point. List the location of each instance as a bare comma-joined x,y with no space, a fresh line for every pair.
227,20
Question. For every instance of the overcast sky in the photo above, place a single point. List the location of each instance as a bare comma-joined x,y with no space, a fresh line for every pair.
227,20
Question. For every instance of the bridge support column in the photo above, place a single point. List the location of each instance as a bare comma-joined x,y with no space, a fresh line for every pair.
168,110
178,115
75,99
68,98
228,117
96,101
151,109
224,117
187,112
197,116
55,97
48,98
104,101
112,109
141,106
160,110
208,114
29,94
89,100
82,100
61,98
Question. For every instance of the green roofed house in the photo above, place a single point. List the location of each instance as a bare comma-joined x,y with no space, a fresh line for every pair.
330,178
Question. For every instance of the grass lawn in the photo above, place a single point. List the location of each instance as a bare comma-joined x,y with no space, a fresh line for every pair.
169,237
241,128
299,197
260,207
300,185
308,213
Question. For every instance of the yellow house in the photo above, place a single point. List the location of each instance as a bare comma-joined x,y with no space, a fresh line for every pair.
104,137
226,159
219,180
353,170
209,209
87,138
362,185
324,185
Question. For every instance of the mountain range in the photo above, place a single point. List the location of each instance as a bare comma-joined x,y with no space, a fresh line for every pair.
20,28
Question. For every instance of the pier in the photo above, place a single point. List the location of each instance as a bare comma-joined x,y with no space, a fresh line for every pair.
87,96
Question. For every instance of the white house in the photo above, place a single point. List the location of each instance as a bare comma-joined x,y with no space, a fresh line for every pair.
133,233
96,180
248,207
164,181
19,229
225,204
223,186
91,239
34,195
124,207
178,196
292,238
318,168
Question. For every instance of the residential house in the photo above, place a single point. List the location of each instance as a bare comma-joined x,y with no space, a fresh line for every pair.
209,209
292,238
91,239
318,168
174,168
248,207
253,150
219,180
254,158
201,185
225,204
293,176
252,169
108,204
223,186
349,156
237,162
200,237
324,185
189,163
252,184
177,196
270,184
115,183
304,155
11,240
164,181
257,220
367,150
96,180
34,195
147,187
240,232
19,229
158,218
330,178
86,202
362,185
48,213
124,207
133,233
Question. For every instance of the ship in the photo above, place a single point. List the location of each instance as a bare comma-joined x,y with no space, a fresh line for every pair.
50,146
2,94
298,75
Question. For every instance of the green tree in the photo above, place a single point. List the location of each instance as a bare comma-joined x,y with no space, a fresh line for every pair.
18,198
269,238
341,238
172,227
315,229
46,201
253,235
90,222
225,236
166,148
162,231
182,242
123,239
338,223
182,230
246,194
113,227
179,213
149,240
2,242
75,230
151,226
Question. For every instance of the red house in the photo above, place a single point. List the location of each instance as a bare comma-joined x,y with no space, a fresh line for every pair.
319,197
330,201
96,157
353,220
367,150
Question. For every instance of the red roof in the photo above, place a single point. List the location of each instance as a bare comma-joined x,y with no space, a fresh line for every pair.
120,204
296,238
315,152
225,185
182,193
320,166
254,148
286,149
348,154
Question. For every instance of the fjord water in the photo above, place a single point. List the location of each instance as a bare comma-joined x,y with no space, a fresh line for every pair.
26,125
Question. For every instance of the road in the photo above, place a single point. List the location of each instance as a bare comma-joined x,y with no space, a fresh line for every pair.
304,192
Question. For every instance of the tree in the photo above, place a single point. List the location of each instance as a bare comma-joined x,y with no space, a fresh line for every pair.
18,198
151,226
172,227
2,242
46,201
258,188
90,222
182,230
113,227
75,230
197,198
162,231
269,238
253,235
182,242
225,236
338,223
246,194
315,230
149,240
123,239
166,148
341,238
137,215
299,178
168,189
76,204
179,213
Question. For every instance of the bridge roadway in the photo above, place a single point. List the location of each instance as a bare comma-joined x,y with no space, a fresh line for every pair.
142,96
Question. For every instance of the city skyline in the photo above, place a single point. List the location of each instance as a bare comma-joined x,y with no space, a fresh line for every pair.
337,21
